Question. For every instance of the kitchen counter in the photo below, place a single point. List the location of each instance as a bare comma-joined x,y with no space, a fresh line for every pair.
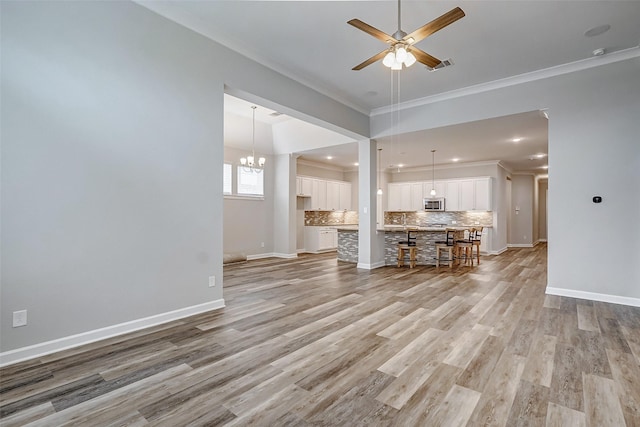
425,241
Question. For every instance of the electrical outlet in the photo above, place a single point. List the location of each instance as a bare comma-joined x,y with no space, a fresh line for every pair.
477,222
454,222
212,281
19,318
262,245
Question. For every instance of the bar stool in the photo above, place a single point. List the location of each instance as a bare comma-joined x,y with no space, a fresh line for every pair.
447,245
467,245
476,242
402,250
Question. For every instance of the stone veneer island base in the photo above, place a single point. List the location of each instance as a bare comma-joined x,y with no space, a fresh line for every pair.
425,242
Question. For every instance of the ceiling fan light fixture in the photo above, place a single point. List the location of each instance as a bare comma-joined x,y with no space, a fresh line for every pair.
396,66
389,59
401,54
409,60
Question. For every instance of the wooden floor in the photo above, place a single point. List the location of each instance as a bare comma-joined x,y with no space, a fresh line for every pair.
312,341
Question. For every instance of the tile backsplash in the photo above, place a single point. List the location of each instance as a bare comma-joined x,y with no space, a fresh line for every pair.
330,217
428,218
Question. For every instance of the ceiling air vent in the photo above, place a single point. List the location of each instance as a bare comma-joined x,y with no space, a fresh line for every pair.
443,64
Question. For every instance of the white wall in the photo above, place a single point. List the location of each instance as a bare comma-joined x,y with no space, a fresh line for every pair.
593,149
320,171
542,211
112,150
522,210
249,222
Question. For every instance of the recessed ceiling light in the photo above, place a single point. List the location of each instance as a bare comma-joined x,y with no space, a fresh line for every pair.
356,164
329,157
545,167
598,52
400,165
455,159
596,31
516,139
540,155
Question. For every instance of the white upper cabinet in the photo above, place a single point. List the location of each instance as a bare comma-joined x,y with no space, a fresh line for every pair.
452,196
326,195
333,196
345,196
399,196
467,195
483,194
306,186
417,196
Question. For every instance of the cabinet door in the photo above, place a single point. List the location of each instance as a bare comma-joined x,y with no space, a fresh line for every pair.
325,240
345,196
395,197
333,195
467,195
298,185
320,187
482,194
306,186
452,196
405,197
417,196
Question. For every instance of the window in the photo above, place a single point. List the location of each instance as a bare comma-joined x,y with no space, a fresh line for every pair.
226,179
250,183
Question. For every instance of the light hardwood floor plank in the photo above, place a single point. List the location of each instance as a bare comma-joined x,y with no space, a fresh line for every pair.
312,341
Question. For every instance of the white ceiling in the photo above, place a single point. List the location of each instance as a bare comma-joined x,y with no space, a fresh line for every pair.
311,42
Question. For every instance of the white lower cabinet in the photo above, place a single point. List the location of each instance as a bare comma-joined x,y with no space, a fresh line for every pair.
317,239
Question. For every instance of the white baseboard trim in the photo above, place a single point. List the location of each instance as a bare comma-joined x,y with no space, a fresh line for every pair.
38,350
287,256
520,245
500,251
271,255
593,296
370,266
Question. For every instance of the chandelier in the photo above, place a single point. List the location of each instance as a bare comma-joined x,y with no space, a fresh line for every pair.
248,163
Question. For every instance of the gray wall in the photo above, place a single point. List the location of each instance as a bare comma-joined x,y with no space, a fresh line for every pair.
249,222
320,172
112,150
543,186
593,149
522,197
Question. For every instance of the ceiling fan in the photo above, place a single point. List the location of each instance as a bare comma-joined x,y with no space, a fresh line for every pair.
401,45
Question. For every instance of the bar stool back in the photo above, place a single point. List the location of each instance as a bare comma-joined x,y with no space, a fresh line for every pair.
467,245
477,238
446,245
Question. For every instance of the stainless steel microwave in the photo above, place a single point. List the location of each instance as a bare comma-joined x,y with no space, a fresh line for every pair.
434,204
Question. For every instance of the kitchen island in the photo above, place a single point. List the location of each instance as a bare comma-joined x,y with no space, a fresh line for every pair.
425,242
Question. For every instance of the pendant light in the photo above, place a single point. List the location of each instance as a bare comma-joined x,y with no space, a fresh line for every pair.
379,180
248,163
433,173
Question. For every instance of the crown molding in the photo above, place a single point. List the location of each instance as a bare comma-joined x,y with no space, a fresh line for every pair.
319,165
546,73
443,167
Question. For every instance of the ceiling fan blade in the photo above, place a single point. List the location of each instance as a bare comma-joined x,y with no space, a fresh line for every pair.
436,25
371,30
371,60
424,58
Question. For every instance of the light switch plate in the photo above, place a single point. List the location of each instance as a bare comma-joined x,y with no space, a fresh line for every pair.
19,318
